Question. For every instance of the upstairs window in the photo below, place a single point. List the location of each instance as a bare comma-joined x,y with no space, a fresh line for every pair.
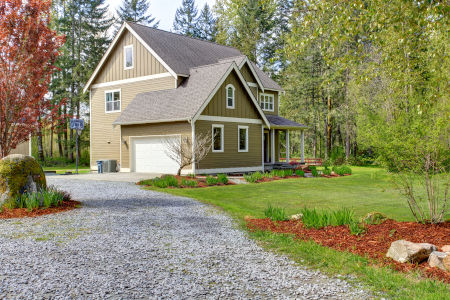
129,57
112,101
267,102
230,96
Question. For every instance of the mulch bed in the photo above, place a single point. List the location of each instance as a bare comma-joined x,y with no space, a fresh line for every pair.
200,180
24,213
373,244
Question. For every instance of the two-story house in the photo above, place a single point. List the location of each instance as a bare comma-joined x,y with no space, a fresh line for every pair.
152,86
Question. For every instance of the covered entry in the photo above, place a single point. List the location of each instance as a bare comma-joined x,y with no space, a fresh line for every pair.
149,155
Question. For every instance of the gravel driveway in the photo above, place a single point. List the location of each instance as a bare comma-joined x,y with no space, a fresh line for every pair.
130,243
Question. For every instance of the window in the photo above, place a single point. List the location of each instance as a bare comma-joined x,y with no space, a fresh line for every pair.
217,138
230,96
243,138
112,101
129,59
267,102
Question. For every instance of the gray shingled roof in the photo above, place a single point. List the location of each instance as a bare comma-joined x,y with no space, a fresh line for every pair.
183,53
278,121
181,103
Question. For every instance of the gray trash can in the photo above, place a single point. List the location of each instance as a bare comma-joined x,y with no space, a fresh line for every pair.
100,166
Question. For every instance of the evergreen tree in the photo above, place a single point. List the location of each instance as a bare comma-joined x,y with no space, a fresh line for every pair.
136,11
206,24
186,19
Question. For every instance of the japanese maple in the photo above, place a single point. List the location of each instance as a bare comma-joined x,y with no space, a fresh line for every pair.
28,50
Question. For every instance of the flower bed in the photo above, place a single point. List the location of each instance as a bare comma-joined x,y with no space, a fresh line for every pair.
374,243
169,181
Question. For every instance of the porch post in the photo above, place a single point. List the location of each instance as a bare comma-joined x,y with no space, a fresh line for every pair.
287,146
272,145
302,147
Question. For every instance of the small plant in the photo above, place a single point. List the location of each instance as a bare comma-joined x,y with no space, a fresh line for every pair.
171,180
275,213
357,228
51,198
315,219
343,216
326,171
189,183
342,170
157,182
288,172
300,173
268,175
190,175
257,176
315,173
222,178
210,180
249,178
312,168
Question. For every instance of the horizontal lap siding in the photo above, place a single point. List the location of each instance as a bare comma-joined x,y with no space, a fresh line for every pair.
231,158
104,137
183,128
22,148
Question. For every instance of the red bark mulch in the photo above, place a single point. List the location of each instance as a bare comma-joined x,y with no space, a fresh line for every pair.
374,243
24,213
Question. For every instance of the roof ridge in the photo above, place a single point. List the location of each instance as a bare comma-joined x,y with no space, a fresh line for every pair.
209,65
184,36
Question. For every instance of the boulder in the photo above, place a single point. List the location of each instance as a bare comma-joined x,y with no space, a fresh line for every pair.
446,262
445,248
19,174
404,251
436,259
296,217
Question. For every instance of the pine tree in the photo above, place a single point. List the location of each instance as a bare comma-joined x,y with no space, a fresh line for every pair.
186,19
136,11
206,24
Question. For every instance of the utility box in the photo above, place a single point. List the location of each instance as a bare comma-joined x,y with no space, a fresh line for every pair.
109,166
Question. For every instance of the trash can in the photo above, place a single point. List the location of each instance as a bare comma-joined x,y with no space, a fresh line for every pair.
100,166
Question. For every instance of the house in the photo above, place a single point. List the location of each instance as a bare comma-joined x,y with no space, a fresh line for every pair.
152,86
23,148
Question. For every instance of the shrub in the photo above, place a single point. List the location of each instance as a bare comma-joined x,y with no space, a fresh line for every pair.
313,218
326,171
257,176
300,173
222,178
343,216
312,168
268,175
315,173
288,172
189,183
171,180
158,182
45,198
51,198
249,178
210,180
275,213
342,170
357,228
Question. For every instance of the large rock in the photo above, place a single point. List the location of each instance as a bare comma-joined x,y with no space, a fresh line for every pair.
436,259
19,174
445,248
404,251
446,262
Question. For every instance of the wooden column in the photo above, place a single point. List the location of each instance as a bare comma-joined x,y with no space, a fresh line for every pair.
302,147
272,145
287,146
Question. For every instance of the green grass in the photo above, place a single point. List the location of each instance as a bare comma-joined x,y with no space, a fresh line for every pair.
68,168
367,190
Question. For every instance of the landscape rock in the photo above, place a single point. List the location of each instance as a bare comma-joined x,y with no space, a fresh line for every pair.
405,251
374,218
445,248
19,174
446,262
296,217
436,259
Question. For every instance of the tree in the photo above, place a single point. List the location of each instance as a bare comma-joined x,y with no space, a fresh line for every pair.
28,51
186,19
184,153
206,25
136,11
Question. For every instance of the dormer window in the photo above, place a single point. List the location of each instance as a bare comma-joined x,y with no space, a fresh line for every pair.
267,102
129,57
230,96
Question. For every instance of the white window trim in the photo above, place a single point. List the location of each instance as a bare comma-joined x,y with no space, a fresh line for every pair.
234,95
246,138
113,91
261,96
125,57
221,137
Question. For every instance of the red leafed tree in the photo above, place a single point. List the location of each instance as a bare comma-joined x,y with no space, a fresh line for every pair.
28,50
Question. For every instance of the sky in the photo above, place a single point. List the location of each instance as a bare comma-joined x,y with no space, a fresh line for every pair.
163,10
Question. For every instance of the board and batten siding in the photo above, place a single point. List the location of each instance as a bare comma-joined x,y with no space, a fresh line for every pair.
105,137
231,157
144,62
247,73
159,129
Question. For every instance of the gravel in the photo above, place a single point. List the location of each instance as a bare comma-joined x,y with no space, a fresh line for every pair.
129,243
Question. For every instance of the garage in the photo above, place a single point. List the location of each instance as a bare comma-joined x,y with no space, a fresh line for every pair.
149,155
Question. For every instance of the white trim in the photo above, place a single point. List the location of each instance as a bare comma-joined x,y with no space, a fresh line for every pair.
152,122
252,84
222,138
229,119
302,147
131,80
125,170
230,170
255,102
193,147
111,47
239,138
269,95
90,127
226,96
287,146
262,144
113,91
272,146
246,60
125,48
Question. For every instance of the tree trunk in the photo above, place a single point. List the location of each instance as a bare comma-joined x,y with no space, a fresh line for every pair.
51,142
329,127
39,143
347,141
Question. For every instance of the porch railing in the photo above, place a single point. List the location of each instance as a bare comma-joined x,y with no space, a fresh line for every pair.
308,161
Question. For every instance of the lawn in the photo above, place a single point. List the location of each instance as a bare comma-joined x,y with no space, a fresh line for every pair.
68,168
367,190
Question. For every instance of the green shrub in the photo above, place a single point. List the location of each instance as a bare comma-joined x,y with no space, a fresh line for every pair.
171,180
257,176
51,198
189,183
278,173
158,182
326,171
312,218
249,178
275,213
190,175
300,173
268,175
288,172
45,198
343,216
222,178
210,180
357,228
312,168
342,170
315,173
315,219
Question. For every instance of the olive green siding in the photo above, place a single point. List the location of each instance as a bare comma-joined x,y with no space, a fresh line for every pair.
144,62
243,108
275,110
231,157
105,137
183,128
254,92
247,73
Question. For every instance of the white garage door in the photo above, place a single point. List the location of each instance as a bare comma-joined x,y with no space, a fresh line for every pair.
149,155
